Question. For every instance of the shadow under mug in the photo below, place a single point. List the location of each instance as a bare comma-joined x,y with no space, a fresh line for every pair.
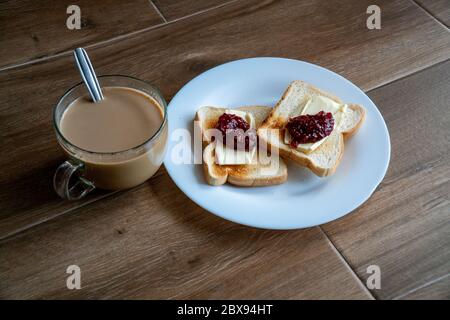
86,170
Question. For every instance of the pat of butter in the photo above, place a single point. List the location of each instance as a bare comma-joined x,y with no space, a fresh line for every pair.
228,156
312,106
316,104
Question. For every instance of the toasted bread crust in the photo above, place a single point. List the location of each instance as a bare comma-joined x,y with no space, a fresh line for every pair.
258,182
349,133
276,122
214,180
307,162
239,175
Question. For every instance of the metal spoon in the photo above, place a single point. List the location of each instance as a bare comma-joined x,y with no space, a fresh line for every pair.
88,74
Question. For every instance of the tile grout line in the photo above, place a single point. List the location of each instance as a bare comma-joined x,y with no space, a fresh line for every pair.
54,56
114,39
429,14
10,235
429,283
56,215
406,75
88,46
157,10
202,11
347,265
185,17
120,37
33,61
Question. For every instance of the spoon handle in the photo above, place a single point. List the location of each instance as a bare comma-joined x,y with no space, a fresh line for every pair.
88,74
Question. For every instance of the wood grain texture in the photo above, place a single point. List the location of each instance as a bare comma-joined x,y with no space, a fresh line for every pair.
440,9
404,227
32,29
155,243
436,290
175,9
152,242
173,54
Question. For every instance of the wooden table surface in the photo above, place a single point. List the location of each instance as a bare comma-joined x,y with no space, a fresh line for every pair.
152,241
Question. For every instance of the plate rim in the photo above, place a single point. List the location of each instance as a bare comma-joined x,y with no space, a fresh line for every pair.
260,224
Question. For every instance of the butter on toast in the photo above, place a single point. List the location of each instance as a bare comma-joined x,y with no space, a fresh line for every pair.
257,174
324,160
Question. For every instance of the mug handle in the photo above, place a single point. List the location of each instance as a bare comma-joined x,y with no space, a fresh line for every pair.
63,177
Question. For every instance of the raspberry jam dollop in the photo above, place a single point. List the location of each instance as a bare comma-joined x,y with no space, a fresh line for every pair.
236,128
310,128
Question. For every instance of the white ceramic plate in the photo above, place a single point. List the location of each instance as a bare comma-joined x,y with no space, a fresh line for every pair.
305,200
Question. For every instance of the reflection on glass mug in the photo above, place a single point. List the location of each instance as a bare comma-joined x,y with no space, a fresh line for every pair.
113,144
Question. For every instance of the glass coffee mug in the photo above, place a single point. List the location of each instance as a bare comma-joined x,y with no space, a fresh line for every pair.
86,170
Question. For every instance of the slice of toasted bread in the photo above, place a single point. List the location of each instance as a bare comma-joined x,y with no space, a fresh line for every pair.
249,175
324,160
241,175
206,117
